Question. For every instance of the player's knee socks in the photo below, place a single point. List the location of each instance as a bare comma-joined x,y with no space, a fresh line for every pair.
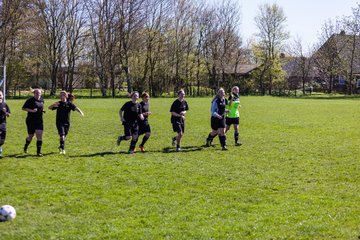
210,137
62,144
145,138
133,144
27,143
236,136
38,146
222,140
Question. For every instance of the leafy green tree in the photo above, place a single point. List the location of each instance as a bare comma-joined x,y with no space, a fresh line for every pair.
270,22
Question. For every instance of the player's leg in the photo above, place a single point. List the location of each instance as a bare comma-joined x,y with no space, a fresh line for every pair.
38,133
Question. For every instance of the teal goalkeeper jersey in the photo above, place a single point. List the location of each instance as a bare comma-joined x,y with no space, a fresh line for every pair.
234,108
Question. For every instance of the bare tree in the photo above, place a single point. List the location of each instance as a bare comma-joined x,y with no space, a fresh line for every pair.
352,26
52,17
327,58
103,20
75,33
301,64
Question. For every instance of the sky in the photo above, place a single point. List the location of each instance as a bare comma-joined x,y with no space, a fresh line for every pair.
305,18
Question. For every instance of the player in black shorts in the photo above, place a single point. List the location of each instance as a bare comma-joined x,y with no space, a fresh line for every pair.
144,126
218,114
34,121
129,113
178,110
63,109
4,112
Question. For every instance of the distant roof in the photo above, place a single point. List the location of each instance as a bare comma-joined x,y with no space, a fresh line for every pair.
241,68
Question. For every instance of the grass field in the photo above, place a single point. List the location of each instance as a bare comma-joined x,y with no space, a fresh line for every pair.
297,175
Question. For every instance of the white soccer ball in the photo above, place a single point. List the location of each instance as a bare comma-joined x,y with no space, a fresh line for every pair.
7,213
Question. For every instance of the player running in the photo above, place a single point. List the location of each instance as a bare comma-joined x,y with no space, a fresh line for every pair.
129,113
4,112
34,107
144,126
178,110
63,109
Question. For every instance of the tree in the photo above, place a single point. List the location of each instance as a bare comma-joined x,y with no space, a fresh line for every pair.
270,22
52,16
327,58
74,37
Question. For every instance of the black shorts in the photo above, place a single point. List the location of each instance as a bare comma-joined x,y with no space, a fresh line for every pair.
217,123
63,128
178,126
234,121
130,128
144,127
2,134
33,126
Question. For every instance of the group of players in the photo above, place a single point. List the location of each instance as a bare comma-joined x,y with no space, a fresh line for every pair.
133,115
224,113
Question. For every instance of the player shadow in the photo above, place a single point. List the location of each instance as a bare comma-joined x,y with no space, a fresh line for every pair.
26,155
101,154
183,149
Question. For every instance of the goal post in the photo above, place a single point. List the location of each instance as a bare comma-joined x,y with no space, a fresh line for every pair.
3,81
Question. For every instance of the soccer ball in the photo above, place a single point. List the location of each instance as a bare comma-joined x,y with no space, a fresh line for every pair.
7,213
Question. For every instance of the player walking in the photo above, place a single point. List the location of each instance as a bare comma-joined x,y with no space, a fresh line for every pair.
233,116
218,111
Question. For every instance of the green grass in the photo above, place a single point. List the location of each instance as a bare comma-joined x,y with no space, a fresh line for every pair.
297,175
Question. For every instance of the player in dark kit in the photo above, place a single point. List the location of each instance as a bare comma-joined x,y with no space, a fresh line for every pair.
144,126
63,109
34,121
129,113
4,112
178,110
218,112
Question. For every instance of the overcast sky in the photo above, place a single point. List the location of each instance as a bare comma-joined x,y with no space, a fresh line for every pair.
304,17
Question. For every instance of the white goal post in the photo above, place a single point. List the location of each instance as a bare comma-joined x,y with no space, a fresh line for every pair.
3,81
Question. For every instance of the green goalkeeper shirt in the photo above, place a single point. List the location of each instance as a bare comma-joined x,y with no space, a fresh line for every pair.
234,102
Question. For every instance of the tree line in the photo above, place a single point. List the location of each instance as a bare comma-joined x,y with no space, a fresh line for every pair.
157,46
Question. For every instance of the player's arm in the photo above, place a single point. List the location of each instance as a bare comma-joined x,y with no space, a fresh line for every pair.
79,111
30,110
121,116
214,110
54,106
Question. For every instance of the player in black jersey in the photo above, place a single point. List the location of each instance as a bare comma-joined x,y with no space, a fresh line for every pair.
129,113
178,110
144,126
34,121
218,114
63,109
4,112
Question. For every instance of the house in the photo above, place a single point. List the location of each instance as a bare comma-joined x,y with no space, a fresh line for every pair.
337,62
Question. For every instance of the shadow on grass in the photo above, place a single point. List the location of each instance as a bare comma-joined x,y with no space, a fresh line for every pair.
183,149
101,154
26,155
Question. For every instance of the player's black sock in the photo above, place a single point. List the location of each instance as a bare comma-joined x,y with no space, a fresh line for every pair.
222,140
27,143
62,144
145,138
133,144
38,146
236,137
210,137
